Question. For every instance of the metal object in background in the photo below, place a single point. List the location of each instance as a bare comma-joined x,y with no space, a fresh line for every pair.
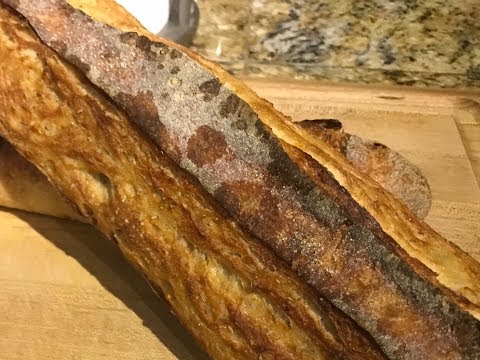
182,21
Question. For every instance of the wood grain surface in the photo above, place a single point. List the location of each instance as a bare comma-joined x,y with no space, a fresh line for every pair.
66,293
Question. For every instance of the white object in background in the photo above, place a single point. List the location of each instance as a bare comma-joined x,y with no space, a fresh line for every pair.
151,14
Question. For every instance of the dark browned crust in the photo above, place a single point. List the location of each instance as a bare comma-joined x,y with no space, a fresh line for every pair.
269,187
385,166
234,295
420,298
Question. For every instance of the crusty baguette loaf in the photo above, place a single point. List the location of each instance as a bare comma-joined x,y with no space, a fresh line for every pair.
416,293
23,187
234,295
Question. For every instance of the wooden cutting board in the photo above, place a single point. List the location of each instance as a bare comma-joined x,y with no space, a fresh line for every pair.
66,293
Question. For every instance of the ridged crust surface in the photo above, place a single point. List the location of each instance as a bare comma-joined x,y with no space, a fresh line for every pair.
234,295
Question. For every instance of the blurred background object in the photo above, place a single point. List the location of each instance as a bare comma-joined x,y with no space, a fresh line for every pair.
176,20
182,21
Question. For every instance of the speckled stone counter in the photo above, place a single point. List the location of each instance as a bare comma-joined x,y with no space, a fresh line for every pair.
421,43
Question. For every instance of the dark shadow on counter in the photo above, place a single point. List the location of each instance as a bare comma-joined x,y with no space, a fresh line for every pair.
103,260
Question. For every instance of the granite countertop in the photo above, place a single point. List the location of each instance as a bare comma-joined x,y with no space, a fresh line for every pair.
411,42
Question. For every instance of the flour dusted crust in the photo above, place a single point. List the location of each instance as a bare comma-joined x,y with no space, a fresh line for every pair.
23,187
413,291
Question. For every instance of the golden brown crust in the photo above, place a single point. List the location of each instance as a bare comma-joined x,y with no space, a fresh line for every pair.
323,217
238,299
406,315
108,12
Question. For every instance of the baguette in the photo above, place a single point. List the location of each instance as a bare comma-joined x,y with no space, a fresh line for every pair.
23,187
413,291
233,294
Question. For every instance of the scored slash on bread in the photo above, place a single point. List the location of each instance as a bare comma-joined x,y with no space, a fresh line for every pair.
354,243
